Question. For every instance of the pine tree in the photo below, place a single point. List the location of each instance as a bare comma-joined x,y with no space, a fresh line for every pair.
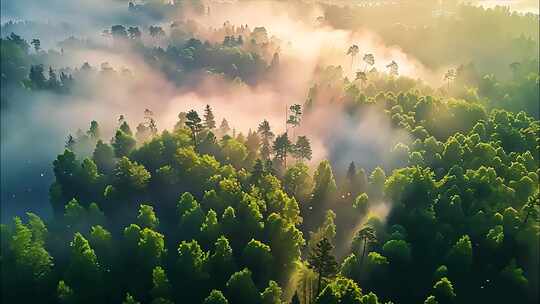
194,123
209,119
282,146
267,136
224,127
302,148
322,261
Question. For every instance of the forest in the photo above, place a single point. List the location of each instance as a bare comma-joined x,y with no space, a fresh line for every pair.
270,152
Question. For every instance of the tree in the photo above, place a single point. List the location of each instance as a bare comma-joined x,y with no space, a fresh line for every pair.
94,131
531,209
369,59
444,290
361,202
130,300
103,157
36,43
325,185
377,180
322,261
296,116
193,122
242,289
398,251
302,149
123,143
366,235
297,182
70,142
210,229
222,264
450,76
130,176
326,231
431,300
161,286
65,293
224,127
282,146
272,293
215,297
267,136
343,290
253,142
118,32
209,120
353,51
156,31
460,256
84,272
258,258
32,264
37,78
147,217
393,68
362,77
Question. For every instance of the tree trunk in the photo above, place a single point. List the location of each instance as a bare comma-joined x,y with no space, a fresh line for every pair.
318,285
363,253
305,290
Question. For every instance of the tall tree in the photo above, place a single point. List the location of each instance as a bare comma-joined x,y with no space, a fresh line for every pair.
322,261
365,235
362,77
156,31
353,51
282,146
449,76
224,127
36,43
193,121
369,59
302,148
267,136
37,78
209,119
531,209
393,68
295,116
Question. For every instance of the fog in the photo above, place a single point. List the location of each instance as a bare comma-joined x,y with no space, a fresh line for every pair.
35,128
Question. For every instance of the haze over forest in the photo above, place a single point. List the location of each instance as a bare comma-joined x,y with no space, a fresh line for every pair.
302,151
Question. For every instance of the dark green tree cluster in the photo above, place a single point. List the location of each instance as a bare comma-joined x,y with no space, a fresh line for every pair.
464,215
157,222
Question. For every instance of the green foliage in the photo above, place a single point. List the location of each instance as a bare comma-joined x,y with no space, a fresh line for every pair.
443,289
464,208
341,290
216,297
397,251
242,289
325,185
147,217
361,202
272,294
322,261
258,258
